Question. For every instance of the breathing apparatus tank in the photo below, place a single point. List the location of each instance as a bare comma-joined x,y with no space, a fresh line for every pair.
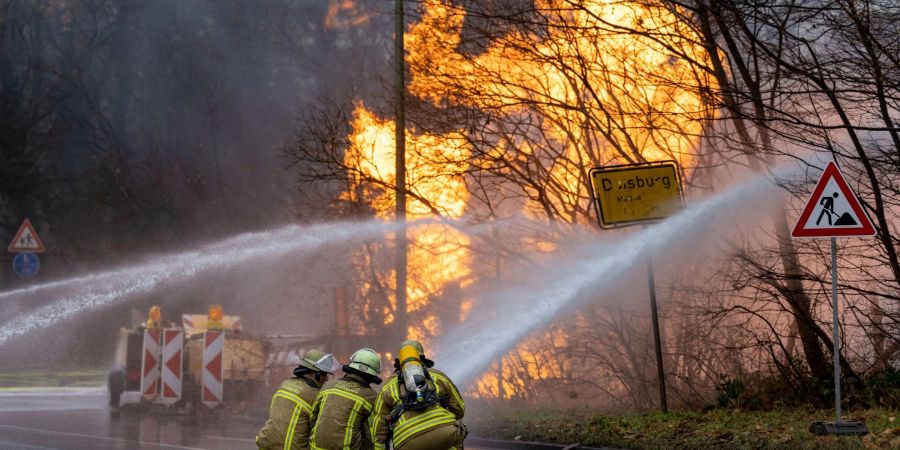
413,371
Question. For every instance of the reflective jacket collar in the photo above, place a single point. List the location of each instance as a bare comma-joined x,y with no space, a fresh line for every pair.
355,378
309,380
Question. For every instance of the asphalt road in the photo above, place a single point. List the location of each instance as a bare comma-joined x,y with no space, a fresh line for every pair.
78,418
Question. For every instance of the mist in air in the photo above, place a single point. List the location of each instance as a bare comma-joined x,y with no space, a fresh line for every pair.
185,153
586,267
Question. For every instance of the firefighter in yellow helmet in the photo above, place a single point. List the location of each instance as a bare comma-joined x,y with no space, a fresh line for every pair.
289,413
418,407
342,408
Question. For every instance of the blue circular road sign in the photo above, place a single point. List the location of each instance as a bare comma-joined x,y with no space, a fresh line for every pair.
26,265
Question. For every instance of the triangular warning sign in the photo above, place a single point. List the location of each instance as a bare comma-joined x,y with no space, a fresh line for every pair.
26,240
833,210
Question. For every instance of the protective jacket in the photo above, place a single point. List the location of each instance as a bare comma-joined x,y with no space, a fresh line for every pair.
341,413
289,416
437,427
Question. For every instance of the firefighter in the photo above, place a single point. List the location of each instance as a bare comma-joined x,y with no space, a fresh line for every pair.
342,408
289,413
419,407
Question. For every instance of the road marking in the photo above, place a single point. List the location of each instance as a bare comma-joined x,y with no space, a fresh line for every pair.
222,438
86,390
19,445
92,436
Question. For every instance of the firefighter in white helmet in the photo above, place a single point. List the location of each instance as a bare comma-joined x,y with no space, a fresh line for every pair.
419,407
289,421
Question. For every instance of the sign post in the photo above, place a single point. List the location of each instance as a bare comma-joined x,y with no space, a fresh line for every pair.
657,342
639,194
833,210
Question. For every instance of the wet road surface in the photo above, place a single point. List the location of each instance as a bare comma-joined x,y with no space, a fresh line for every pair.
78,418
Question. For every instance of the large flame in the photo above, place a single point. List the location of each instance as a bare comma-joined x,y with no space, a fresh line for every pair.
644,94
437,254
434,164
598,95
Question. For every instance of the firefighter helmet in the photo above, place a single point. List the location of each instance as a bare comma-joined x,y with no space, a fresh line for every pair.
319,361
415,344
367,361
418,346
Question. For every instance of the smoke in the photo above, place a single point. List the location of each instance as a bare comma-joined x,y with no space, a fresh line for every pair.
209,92
167,118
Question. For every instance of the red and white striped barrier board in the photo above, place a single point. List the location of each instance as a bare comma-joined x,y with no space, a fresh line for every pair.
150,364
214,346
173,340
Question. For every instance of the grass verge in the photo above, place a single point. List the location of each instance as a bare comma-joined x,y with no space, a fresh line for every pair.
720,429
51,378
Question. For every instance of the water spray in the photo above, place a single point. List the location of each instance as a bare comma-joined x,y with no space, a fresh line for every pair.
599,268
94,291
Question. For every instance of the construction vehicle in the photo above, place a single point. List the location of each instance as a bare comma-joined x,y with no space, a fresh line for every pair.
206,362
161,364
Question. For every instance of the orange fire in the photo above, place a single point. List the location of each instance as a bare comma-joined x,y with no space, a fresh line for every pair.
343,14
601,96
437,254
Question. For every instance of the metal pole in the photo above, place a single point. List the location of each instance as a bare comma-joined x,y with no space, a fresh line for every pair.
660,375
837,333
501,390
400,182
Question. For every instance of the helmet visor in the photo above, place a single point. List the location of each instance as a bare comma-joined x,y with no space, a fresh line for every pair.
327,363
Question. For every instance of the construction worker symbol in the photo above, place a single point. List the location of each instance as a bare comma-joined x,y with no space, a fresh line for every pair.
832,209
828,213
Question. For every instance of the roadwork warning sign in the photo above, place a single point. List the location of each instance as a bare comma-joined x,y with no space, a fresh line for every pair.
636,193
833,210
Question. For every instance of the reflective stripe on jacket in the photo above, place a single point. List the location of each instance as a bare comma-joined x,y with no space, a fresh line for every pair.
289,417
450,408
341,414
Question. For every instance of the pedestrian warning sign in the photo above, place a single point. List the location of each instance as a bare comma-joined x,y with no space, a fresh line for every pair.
833,210
26,240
